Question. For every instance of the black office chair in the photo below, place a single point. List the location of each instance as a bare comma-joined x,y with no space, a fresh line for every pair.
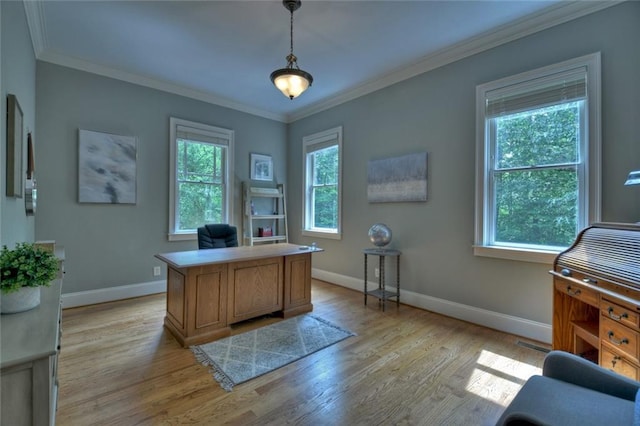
218,235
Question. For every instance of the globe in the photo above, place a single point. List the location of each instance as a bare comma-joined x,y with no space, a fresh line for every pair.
380,234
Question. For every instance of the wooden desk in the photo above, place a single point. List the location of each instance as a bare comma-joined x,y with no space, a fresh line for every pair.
596,297
207,290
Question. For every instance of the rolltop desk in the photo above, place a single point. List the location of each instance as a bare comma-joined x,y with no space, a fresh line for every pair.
596,297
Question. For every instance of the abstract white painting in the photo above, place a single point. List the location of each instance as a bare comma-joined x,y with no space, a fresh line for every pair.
398,179
106,168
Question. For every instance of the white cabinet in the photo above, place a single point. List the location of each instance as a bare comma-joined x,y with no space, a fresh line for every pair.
29,361
265,214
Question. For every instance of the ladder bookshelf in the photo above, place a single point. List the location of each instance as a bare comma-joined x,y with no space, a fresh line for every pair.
265,214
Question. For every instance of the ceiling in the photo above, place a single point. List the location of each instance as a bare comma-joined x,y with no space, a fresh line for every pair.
224,51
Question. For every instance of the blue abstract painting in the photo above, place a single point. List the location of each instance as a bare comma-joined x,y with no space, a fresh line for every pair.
398,179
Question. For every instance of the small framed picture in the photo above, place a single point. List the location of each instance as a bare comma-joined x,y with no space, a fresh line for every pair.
14,147
261,167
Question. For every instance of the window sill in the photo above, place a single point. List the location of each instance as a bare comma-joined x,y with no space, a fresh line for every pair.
534,256
183,237
320,234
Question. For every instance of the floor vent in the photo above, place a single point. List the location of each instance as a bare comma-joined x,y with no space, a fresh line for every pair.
532,346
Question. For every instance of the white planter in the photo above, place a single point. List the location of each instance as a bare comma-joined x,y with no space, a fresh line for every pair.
19,301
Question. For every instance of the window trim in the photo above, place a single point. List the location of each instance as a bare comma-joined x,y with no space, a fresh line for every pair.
592,159
312,143
225,134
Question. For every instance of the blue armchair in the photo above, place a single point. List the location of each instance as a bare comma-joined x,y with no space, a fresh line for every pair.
574,391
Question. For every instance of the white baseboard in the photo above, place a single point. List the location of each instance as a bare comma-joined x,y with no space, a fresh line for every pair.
509,324
91,297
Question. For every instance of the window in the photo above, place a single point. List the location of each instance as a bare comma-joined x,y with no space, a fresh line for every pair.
323,184
538,154
200,189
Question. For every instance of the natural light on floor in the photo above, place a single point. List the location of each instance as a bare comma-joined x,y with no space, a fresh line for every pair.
496,375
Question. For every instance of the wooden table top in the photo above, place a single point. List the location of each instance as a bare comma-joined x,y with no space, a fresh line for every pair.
186,259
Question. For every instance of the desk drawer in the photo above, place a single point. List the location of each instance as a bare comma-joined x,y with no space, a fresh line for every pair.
619,313
582,293
619,338
615,362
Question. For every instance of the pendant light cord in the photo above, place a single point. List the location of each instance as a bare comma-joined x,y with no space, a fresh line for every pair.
291,33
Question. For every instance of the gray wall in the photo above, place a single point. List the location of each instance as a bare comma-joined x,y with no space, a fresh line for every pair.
112,245
18,78
435,112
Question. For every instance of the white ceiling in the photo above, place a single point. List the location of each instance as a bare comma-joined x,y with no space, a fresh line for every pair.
224,51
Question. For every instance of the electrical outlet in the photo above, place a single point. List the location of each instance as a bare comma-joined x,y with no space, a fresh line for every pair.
156,271
376,272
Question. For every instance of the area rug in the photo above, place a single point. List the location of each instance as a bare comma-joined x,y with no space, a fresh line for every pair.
237,359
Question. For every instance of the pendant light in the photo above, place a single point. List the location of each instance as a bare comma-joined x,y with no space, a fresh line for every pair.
291,80
633,178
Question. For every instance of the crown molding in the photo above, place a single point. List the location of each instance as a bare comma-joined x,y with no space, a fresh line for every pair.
550,17
154,83
37,28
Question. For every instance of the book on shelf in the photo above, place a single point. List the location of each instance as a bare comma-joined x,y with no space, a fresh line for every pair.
269,191
265,232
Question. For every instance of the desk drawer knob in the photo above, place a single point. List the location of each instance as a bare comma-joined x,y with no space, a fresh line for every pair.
617,342
614,361
572,292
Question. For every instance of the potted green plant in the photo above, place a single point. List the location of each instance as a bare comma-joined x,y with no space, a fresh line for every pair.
23,270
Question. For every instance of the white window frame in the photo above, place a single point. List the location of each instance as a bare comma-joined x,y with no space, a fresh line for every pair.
312,143
227,138
590,168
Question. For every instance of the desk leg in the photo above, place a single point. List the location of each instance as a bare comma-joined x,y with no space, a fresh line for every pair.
398,280
365,279
381,281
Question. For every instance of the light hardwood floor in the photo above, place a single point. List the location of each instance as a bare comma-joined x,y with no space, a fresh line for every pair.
406,366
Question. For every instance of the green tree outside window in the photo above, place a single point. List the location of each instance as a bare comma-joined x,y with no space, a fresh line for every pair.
536,176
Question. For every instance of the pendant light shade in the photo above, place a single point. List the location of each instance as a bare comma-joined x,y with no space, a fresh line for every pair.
291,80
633,178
